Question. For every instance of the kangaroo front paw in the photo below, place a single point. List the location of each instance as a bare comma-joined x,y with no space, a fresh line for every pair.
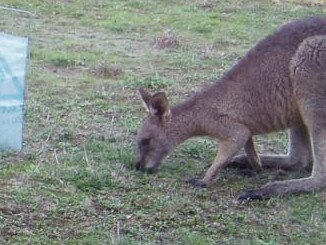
197,182
257,194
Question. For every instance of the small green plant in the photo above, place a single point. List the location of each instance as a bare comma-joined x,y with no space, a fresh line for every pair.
90,180
196,239
62,62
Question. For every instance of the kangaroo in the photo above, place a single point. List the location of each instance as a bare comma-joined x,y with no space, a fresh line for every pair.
279,84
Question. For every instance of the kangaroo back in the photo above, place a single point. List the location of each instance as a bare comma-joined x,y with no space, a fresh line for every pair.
258,90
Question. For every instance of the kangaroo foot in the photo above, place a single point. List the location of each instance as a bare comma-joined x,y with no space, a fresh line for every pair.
197,182
257,194
275,188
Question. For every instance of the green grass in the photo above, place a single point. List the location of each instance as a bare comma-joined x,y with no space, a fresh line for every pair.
75,183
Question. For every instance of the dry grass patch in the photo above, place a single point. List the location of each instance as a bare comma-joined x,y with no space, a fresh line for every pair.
168,40
207,51
206,5
107,71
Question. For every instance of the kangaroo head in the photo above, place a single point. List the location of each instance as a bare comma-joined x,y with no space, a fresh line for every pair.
154,142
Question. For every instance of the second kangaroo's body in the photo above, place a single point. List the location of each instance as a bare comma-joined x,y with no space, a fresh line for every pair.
279,84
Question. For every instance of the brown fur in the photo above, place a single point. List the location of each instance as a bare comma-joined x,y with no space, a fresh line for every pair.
280,84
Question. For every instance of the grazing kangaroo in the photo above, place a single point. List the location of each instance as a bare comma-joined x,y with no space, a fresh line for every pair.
279,84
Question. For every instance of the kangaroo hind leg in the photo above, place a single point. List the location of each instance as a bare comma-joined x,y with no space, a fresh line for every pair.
299,154
308,70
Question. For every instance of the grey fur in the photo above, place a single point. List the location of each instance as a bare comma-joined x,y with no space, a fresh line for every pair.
279,84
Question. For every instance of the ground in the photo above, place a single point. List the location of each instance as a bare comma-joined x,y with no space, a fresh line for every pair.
75,183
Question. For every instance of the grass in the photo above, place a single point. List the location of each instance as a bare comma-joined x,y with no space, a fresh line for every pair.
75,183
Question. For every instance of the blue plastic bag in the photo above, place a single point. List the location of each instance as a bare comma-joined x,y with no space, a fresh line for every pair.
13,59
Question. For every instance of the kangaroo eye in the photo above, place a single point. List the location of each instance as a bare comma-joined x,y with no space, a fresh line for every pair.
145,142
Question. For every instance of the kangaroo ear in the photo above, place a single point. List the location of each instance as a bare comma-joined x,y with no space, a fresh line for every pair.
159,106
146,96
